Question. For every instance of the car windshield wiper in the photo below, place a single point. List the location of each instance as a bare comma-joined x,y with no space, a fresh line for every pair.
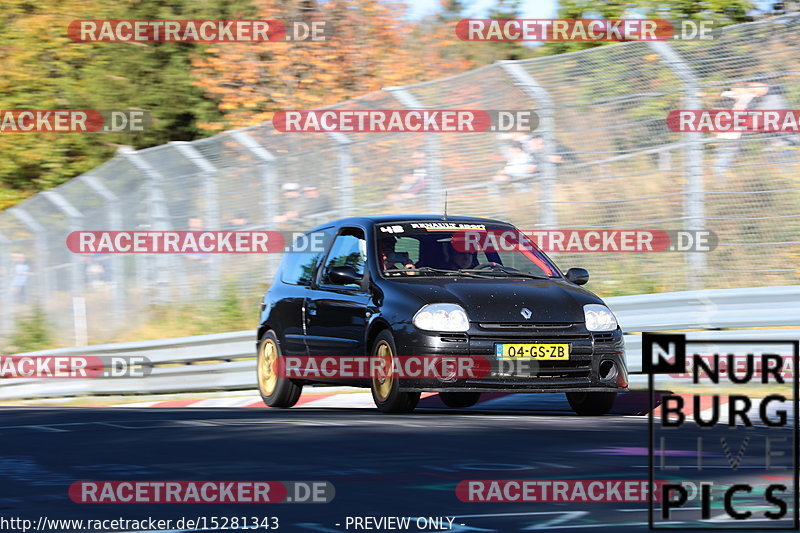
431,270
420,269
505,270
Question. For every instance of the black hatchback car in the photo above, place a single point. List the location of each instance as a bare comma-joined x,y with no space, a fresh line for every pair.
388,287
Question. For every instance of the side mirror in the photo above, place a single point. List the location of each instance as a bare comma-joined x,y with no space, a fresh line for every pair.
578,276
344,275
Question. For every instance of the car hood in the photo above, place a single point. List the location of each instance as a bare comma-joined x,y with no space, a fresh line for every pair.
502,300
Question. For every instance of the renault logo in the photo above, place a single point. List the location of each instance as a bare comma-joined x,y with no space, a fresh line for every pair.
526,313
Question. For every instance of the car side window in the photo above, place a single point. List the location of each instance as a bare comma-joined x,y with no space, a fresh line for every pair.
348,249
300,263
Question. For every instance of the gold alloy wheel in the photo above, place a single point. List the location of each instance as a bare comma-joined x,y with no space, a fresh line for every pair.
382,384
267,357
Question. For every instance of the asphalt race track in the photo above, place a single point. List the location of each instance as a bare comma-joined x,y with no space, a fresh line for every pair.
380,465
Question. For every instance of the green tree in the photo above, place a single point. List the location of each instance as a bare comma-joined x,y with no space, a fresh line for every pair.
724,12
44,69
507,9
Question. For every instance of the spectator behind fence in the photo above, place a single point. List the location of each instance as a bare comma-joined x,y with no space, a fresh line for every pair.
519,164
196,224
314,201
95,270
21,272
415,181
525,157
291,204
562,153
237,222
754,94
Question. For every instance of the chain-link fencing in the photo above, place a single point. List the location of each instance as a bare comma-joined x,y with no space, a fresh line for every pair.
602,158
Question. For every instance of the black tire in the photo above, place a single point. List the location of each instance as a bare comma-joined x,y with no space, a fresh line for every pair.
385,391
459,400
591,403
276,391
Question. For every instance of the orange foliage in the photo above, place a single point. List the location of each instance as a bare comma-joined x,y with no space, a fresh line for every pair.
369,46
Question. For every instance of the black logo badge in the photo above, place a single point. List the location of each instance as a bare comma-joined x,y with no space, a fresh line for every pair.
663,353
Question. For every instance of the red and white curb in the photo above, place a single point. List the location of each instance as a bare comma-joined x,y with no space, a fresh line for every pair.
252,399
332,397
349,397
630,404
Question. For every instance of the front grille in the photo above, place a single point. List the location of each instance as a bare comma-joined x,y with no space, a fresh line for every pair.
522,325
575,371
604,337
525,332
564,369
534,336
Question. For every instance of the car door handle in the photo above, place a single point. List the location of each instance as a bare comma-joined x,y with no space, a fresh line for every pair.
311,309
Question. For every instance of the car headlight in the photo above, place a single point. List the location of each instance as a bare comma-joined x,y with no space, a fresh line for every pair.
442,317
599,318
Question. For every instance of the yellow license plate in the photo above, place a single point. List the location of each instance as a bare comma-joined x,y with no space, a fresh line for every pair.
541,352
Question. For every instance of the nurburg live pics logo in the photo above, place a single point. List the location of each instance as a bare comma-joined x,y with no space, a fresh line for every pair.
745,470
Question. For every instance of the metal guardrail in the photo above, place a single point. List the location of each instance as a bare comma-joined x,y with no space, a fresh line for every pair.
226,361
709,309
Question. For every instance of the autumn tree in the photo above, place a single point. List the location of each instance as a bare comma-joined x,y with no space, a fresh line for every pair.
369,46
43,69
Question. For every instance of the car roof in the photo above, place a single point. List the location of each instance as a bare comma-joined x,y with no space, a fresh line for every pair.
370,220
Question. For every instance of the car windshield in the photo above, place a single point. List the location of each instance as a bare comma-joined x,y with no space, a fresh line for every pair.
459,249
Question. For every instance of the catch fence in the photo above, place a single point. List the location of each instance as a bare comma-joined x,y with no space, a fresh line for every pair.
602,158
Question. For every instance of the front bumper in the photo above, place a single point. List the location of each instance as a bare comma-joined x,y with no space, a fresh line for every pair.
596,362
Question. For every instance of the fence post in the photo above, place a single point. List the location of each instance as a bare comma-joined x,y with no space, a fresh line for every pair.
269,180
433,148
694,199
114,221
547,125
344,181
212,215
6,296
267,167
40,249
158,216
76,265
